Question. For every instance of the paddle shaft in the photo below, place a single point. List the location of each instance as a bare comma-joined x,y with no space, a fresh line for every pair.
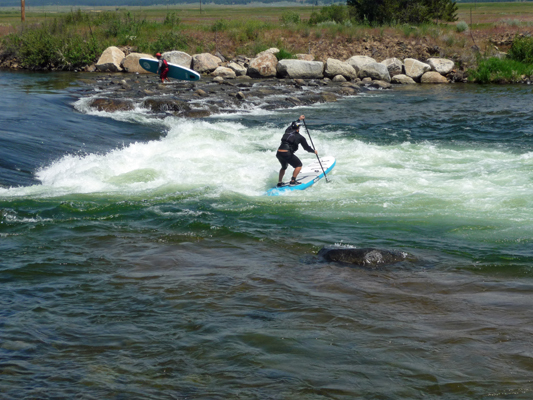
313,145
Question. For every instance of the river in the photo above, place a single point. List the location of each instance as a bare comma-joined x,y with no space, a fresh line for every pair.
141,258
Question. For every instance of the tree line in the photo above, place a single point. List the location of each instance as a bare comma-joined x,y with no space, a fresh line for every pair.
385,12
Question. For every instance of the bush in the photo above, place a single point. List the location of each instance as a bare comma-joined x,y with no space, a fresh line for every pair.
284,55
522,50
172,19
290,17
461,26
337,13
166,42
40,48
494,70
402,11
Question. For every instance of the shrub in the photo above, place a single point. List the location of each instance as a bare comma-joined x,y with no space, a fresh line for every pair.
337,13
290,17
40,48
500,70
172,19
522,50
168,41
220,25
461,26
284,55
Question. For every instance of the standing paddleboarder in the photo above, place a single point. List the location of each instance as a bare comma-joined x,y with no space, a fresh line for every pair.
162,69
289,145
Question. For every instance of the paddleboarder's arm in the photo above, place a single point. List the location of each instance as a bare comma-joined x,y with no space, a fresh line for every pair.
306,147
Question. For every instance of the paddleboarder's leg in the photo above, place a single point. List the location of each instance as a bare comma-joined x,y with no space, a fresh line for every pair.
164,75
282,158
296,172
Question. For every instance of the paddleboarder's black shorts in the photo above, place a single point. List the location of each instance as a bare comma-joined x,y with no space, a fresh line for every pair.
286,158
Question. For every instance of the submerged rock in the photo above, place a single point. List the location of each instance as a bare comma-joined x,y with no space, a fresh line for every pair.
368,257
112,105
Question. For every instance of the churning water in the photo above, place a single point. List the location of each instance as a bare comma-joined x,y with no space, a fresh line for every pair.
140,257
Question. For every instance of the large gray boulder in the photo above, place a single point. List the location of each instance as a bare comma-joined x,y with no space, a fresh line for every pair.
402,80
131,63
237,68
394,65
224,72
358,62
442,65
366,257
178,58
263,66
433,77
376,71
205,63
335,67
110,60
414,68
300,69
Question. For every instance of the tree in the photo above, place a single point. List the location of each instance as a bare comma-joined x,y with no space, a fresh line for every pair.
382,12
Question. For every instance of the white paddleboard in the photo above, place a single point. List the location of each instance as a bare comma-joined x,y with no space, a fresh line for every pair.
309,175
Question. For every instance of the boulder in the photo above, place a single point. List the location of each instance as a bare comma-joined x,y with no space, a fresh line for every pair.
165,105
402,80
224,72
263,66
442,65
112,105
339,78
414,68
205,63
357,62
328,97
178,58
237,68
380,85
131,63
110,60
366,257
272,50
299,69
394,65
376,71
433,77
335,67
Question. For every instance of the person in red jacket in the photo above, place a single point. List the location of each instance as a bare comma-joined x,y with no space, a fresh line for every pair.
162,69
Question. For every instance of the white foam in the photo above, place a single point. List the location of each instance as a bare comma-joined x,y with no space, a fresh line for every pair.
224,155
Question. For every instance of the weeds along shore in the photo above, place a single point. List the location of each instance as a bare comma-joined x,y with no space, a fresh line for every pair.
493,50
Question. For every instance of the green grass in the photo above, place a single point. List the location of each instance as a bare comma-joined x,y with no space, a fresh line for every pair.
495,70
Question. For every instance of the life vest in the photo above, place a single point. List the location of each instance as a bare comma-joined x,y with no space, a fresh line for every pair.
288,140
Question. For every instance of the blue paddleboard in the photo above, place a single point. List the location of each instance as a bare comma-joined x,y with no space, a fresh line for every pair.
174,71
309,175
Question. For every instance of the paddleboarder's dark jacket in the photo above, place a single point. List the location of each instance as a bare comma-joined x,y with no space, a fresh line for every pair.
291,140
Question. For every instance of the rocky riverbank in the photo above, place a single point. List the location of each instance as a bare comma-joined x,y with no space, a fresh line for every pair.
249,83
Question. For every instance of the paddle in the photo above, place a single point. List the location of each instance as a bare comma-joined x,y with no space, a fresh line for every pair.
313,145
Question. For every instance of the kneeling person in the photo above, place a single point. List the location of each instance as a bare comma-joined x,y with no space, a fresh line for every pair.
289,145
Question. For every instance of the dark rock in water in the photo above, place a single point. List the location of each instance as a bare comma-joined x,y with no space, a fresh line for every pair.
112,105
195,113
163,105
368,257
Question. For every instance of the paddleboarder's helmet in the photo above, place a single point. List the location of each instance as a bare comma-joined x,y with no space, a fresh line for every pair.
158,55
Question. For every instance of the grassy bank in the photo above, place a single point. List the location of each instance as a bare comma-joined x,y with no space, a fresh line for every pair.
69,38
